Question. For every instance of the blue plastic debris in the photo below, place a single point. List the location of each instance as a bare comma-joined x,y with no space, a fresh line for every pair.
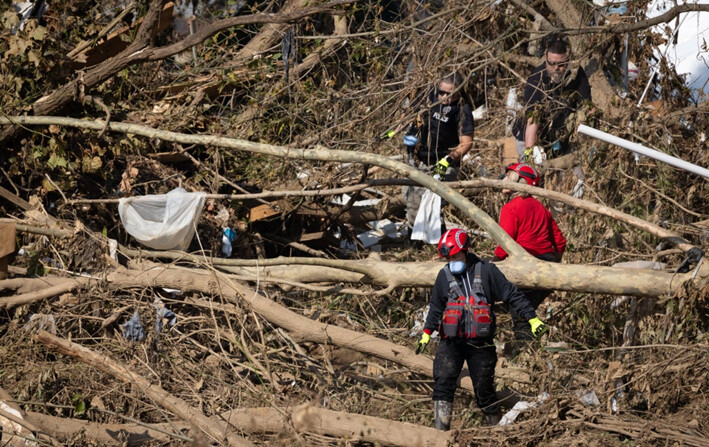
164,312
133,329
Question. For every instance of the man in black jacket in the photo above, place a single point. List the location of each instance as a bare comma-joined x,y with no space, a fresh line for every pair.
467,276
553,92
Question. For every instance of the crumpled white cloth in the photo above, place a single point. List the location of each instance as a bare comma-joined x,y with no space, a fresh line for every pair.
427,226
521,407
163,221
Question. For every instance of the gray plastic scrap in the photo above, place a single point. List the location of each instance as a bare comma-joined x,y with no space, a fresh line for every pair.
133,329
164,312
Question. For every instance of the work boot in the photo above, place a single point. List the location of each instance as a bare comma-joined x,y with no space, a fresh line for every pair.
442,412
493,419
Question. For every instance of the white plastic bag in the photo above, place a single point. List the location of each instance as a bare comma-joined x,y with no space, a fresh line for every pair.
162,221
427,226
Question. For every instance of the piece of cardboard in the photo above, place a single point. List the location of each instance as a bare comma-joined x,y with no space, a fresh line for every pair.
261,212
509,151
7,239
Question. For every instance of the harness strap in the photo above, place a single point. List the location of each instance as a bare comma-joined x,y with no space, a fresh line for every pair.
452,285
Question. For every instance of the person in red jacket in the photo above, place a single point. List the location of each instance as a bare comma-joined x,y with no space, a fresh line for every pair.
531,225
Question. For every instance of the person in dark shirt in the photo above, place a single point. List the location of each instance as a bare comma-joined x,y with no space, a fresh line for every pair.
471,274
553,92
439,138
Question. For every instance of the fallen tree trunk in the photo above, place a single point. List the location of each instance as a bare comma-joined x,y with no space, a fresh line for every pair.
357,428
154,275
199,422
62,287
544,275
539,275
305,418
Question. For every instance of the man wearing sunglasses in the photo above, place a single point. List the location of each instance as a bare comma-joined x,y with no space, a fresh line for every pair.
439,138
553,92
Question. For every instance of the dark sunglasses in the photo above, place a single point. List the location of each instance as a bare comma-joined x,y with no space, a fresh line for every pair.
443,92
558,64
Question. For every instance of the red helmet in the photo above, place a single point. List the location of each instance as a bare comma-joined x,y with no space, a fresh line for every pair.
452,242
528,173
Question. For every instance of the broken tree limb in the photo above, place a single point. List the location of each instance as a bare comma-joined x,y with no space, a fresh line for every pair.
194,280
198,421
587,205
306,65
305,418
359,428
543,275
30,297
131,434
250,420
440,188
667,235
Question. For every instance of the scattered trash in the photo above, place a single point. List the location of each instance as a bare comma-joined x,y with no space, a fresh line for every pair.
427,226
479,113
579,189
163,313
133,329
617,396
113,249
538,155
588,397
347,245
384,226
41,322
345,199
228,236
162,221
520,407
369,238
27,10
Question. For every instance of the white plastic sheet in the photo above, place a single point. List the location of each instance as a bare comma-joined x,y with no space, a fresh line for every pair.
427,226
162,221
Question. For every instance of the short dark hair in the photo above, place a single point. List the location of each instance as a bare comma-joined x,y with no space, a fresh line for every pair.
454,78
558,46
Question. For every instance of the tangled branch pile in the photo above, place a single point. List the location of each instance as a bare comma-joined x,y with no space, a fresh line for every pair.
312,351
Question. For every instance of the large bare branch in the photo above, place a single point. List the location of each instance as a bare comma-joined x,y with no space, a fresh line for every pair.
305,418
440,188
521,268
198,421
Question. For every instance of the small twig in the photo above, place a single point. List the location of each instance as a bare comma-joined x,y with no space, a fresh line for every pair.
635,179
49,179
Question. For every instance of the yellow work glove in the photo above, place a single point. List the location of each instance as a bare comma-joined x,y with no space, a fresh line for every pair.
423,342
442,166
538,327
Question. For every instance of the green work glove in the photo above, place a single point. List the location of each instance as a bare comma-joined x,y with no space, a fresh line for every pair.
423,342
442,166
538,327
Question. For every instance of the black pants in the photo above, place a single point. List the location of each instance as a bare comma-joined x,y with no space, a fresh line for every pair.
481,359
520,326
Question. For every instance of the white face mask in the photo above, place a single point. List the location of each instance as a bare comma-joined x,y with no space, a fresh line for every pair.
456,267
